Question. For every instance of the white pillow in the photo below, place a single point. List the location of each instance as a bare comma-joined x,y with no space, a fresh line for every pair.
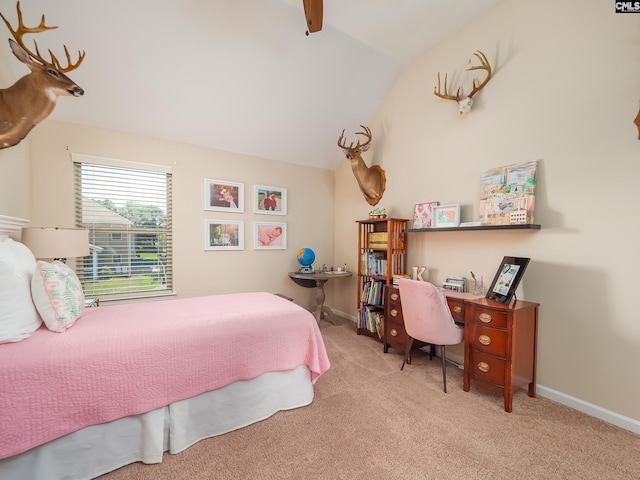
57,294
18,316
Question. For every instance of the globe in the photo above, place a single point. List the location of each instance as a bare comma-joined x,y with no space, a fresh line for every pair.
306,257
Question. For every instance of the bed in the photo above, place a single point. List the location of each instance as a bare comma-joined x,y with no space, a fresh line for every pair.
128,382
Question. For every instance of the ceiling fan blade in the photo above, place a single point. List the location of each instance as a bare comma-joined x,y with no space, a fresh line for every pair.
313,14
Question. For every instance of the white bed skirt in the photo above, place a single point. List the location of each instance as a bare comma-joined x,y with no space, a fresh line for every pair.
95,450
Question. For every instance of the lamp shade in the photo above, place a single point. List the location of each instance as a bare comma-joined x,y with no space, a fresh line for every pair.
46,242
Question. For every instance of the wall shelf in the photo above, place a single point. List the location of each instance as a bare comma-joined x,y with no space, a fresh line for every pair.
526,226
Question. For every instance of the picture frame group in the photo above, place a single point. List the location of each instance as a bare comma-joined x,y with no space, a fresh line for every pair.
228,196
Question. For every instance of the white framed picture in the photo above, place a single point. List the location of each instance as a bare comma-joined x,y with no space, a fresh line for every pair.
223,196
223,235
269,235
446,216
270,200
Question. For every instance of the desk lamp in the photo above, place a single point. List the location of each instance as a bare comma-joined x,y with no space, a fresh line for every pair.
56,243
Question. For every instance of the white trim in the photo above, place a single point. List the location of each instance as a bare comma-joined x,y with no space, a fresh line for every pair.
112,162
608,416
9,225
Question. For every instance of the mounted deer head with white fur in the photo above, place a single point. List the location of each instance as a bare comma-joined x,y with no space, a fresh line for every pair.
465,103
33,97
372,180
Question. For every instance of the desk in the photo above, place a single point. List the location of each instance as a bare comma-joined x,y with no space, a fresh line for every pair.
318,280
500,341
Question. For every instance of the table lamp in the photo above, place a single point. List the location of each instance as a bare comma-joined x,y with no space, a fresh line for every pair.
56,243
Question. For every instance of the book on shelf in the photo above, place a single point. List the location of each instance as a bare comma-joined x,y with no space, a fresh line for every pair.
372,319
372,292
374,263
396,278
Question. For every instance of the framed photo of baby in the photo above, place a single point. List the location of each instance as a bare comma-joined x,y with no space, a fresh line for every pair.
223,196
270,236
270,200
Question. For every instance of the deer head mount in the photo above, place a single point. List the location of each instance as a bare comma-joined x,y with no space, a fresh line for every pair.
33,97
465,103
371,180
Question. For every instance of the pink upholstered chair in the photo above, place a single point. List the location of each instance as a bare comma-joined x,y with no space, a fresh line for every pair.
427,318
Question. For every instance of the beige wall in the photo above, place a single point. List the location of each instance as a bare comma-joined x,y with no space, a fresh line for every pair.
565,92
196,271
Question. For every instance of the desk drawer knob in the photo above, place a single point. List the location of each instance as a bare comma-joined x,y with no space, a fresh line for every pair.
393,312
457,309
393,332
483,367
394,296
484,339
485,318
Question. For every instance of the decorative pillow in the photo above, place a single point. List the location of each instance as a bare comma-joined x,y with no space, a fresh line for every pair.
18,316
57,294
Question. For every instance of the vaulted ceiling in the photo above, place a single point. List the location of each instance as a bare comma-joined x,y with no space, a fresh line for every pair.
236,75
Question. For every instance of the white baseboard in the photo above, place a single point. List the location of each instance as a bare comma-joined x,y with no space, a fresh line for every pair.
585,407
567,400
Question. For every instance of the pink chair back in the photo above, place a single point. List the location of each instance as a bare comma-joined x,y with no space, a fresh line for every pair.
426,314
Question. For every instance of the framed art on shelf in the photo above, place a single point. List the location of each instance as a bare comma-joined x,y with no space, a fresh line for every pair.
223,235
270,200
269,236
423,215
223,196
446,216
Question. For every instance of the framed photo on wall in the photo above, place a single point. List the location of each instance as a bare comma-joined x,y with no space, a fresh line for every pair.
223,196
446,216
270,200
423,214
223,235
269,236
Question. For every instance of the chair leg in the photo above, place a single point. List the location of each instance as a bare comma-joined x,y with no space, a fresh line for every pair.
444,367
407,351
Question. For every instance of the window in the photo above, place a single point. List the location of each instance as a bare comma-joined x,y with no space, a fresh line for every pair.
127,208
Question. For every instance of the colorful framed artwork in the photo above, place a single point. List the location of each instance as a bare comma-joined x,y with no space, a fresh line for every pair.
508,194
446,216
270,200
423,215
223,235
223,196
269,236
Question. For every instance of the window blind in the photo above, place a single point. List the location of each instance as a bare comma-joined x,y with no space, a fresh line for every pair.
128,212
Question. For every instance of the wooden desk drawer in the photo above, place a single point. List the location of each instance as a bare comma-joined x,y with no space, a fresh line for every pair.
488,340
456,305
489,317
487,367
396,334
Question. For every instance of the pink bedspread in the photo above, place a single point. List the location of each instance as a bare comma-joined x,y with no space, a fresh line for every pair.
128,359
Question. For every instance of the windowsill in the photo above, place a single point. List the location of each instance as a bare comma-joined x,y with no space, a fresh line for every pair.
137,297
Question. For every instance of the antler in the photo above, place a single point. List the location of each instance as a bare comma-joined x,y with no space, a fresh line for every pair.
21,30
445,95
485,66
363,147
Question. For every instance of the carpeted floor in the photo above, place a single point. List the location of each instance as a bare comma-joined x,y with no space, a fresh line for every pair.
371,421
